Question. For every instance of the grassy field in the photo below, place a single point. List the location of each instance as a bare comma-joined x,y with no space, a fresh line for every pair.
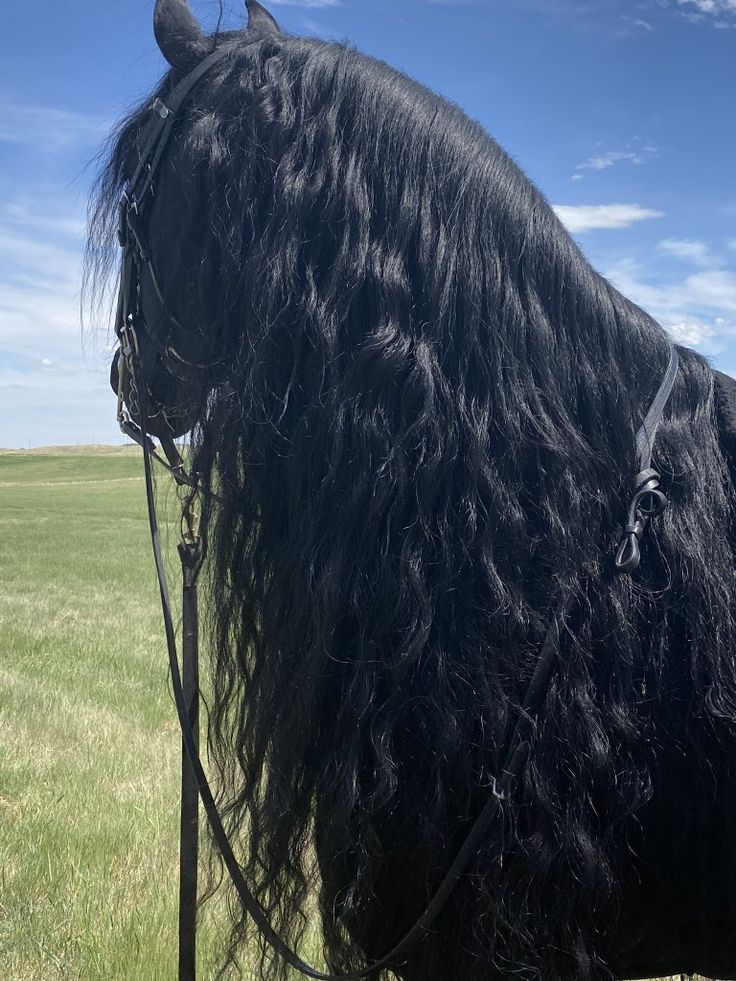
89,751
88,742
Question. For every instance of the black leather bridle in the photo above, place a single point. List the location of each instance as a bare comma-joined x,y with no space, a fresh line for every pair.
139,192
647,502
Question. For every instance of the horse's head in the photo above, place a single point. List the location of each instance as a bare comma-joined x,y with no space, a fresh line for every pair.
169,357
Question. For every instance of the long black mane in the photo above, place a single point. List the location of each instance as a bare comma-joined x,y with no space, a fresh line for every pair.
420,422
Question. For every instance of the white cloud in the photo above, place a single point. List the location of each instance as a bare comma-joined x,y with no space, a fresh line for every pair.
711,292
606,160
47,129
693,333
313,4
53,407
584,217
717,7
690,250
715,289
699,310
22,216
51,389
713,11
634,154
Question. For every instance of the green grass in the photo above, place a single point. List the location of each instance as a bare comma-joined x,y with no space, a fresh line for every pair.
88,743
89,750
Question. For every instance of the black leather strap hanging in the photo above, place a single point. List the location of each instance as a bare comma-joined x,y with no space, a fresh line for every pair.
190,553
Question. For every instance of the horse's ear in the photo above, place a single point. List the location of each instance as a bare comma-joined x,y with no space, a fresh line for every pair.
259,18
181,39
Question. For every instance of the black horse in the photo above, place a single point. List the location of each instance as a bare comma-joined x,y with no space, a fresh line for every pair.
415,402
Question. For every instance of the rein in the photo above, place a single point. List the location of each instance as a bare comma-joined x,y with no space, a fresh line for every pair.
647,502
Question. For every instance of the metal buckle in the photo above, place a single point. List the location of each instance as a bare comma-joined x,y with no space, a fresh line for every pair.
160,109
129,200
128,203
128,339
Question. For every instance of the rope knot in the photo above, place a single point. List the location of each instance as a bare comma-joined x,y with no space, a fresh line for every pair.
648,502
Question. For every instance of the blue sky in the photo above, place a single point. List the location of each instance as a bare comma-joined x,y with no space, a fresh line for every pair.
621,111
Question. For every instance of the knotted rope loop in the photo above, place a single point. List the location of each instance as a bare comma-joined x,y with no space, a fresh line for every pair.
648,502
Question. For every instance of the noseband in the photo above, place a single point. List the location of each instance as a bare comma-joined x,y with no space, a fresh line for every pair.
647,502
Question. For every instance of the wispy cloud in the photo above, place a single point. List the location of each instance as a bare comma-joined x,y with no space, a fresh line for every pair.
694,333
638,156
606,14
720,13
22,216
632,26
313,4
699,310
57,404
49,129
606,160
310,26
585,217
57,389
714,7
691,250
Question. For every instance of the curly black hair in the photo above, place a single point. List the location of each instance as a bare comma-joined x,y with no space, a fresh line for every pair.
420,428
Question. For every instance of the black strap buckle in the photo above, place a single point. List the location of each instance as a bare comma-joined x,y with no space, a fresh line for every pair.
648,502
